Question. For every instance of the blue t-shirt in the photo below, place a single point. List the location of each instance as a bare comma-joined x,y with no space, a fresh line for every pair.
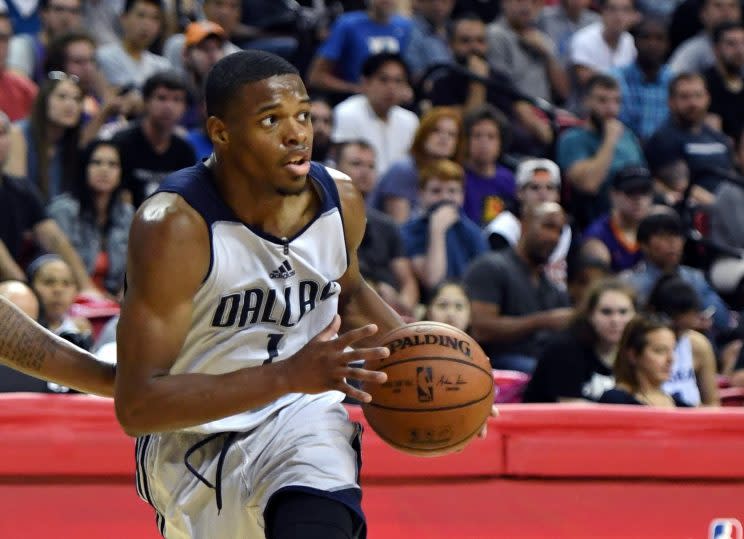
464,241
580,143
354,37
401,181
485,198
623,256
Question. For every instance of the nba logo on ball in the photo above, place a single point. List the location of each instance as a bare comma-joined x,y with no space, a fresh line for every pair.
725,528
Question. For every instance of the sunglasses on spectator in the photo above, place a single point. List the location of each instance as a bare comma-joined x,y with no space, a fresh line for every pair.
61,75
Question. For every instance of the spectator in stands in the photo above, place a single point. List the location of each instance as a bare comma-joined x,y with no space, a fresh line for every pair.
562,20
339,63
527,56
227,14
45,148
612,238
686,135
375,115
538,181
24,217
589,155
207,37
696,54
644,84
74,53
693,372
101,19
203,47
131,62
449,304
441,242
20,295
489,185
456,86
727,224
582,273
661,237
96,218
606,44
438,136
27,52
321,115
724,79
382,260
151,149
52,280
515,307
18,91
428,45
643,364
576,365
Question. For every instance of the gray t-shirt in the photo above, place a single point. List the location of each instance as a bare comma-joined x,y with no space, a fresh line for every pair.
121,69
503,278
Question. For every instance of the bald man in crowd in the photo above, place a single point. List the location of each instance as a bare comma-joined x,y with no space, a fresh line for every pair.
515,307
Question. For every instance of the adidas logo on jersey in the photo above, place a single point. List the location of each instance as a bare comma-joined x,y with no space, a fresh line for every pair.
282,272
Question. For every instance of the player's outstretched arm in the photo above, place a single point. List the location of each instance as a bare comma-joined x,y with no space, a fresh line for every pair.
360,304
168,259
29,348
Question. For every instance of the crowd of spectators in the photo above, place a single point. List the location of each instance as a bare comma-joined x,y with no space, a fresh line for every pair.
540,173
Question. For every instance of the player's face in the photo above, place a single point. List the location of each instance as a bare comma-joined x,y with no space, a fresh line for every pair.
613,311
450,306
269,133
655,362
56,287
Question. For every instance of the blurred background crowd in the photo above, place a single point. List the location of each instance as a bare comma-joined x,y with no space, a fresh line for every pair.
560,178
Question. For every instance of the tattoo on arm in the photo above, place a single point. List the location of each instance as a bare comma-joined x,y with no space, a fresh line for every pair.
22,344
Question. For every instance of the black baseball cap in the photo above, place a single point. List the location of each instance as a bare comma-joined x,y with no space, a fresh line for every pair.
632,179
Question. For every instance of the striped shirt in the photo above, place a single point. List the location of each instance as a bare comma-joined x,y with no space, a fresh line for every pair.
644,102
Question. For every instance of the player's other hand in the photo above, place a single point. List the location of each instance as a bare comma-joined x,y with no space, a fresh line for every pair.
323,363
484,429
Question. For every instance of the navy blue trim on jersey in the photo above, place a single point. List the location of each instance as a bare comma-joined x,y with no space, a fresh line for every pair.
197,186
350,497
140,477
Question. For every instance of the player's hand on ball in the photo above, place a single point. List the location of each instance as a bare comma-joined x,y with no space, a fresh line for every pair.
323,363
484,430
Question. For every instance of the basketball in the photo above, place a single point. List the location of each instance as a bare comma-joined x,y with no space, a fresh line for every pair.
438,393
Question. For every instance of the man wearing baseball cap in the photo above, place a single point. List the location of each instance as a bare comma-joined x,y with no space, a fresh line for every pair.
206,36
538,181
612,237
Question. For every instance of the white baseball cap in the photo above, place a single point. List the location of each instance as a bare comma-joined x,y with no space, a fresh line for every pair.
527,168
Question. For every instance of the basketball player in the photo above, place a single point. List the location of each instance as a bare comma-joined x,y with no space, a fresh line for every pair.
29,348
229,369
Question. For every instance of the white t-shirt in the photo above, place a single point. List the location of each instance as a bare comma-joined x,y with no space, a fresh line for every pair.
588,48
391,138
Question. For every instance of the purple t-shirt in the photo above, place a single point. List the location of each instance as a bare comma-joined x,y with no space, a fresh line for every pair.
622,255
485,198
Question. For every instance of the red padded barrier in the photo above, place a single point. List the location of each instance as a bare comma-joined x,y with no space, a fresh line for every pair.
66,472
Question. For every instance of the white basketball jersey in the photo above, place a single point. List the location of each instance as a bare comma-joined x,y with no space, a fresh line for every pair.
264,297
682,380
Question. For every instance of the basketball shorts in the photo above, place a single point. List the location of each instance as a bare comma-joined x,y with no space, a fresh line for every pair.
218,486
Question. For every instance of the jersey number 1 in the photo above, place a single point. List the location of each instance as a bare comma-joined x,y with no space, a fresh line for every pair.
272,347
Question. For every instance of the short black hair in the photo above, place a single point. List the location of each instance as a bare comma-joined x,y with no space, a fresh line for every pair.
56,55
488,112
601,4
666,222
163,79
672,296
721,29
603,81
129,4
685,76
235,70
375,62
468,16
